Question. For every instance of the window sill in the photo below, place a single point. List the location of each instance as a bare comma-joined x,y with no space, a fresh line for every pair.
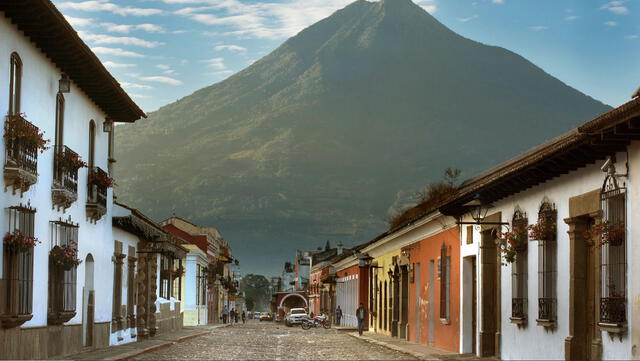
518,320
445,321
58,318
612,327
14,321
546,323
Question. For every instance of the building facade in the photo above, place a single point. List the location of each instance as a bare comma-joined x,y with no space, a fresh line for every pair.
59,109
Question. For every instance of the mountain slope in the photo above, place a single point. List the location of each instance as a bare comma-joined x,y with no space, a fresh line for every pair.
317,139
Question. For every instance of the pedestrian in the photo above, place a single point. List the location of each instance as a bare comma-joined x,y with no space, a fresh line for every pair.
232,315
338,315
225,314
235,316
244,316
361,314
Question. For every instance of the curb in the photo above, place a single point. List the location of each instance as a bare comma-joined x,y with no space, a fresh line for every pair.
146,350
185,338
417,355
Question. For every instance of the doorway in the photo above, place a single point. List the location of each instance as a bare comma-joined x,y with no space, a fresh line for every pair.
404,299
88,304
432,303
488,293
418,299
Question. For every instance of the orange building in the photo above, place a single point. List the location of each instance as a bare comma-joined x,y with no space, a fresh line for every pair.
434,290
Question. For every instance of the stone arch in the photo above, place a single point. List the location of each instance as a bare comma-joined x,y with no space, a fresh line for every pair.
306,304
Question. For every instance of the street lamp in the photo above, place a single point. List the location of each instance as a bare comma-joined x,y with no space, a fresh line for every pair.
107,126
364,260
64,84
478,210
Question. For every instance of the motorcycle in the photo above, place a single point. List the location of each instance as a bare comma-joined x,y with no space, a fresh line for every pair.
317,321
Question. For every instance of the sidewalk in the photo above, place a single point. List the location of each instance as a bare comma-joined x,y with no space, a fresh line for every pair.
417,350
131,350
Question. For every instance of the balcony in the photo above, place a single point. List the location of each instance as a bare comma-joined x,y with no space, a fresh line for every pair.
21,161
518,311
546,312
65,177
98,184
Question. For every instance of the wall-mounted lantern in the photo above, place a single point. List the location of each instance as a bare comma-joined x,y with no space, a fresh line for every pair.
64,84
478,210
107,126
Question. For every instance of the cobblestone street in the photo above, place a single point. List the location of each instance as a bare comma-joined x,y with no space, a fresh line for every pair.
273,341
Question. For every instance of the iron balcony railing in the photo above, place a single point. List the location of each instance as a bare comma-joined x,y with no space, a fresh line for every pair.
613,310
66,175
518,307
546,309
97,189
20,153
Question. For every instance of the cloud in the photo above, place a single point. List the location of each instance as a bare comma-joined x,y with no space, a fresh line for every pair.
139,96
161,79
222,72
538,28
111,64
104,5
216,63
116,52
127,85
166,69
233,48
631,37
429,5
610,23
571,17
273,20
616,7
78,22
497,1
464,20
123,40
122,28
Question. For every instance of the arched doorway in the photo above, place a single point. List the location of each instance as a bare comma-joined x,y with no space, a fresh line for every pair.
293,300
88,302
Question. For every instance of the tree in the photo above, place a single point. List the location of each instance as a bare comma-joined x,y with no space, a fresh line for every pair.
250,303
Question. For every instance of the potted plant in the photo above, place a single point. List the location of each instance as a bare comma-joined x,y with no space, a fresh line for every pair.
18,129
69,160
543,230
511,242
65,257
18,241
101,179
607,232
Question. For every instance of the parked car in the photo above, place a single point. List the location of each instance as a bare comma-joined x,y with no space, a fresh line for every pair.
295,316
266,316
256,315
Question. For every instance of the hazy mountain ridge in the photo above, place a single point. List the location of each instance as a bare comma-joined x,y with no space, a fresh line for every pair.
315,140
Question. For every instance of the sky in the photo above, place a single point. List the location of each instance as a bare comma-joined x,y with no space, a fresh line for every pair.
163,50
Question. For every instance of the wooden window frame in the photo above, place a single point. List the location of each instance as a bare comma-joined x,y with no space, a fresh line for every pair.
16,285
62,283
445,283
547,268
519,269
15,83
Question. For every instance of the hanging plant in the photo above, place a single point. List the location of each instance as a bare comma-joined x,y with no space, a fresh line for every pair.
511,242
70,161
179,272
544,230
101,179
18,241
65,257
612,233
18,129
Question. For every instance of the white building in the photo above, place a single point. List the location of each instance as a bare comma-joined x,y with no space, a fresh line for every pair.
195,287
54,85
568,294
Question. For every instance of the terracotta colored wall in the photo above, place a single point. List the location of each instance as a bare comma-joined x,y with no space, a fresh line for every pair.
446,336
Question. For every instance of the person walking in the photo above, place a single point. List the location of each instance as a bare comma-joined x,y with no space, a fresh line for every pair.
338,315
232,315
361,314
244,316
225,314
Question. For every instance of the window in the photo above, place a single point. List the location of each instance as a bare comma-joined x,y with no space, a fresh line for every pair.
545,232
92,143
166,268
519,269
445,282
16,286
131,287
15,82
110,156
63,261
177,281
59,119
118,261
469,234
613,276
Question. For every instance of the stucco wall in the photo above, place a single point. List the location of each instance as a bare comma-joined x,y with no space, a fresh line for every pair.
445,333
347,293
39,87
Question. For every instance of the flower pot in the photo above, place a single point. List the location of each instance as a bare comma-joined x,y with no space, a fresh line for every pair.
616,241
